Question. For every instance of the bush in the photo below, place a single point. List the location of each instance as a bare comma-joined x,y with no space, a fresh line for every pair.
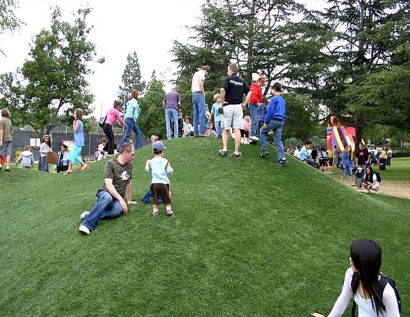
401,153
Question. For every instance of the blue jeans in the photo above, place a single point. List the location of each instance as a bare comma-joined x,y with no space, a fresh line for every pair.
131,126
198,101
254,120
218,129
44,166
106,207
171,113
312,163
348,169
276,126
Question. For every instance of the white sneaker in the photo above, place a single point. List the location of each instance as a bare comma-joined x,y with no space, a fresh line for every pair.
84,215
241,140
254,138
84,230
246,142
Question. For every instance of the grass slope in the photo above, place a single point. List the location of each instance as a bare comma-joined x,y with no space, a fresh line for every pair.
248,239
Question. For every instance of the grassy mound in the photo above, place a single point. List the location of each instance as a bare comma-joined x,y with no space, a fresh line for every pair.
248,238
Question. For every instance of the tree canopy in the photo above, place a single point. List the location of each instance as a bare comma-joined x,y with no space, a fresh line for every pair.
52,83
8,20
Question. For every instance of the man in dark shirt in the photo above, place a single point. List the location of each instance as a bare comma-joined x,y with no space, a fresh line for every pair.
233,91
362,156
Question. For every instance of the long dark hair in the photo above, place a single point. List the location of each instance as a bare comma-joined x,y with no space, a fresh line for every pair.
369,176
366,256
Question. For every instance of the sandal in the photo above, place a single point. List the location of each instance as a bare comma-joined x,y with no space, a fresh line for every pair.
170,213
155,213
85,168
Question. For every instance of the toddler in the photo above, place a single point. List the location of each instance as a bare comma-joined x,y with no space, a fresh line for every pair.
159,167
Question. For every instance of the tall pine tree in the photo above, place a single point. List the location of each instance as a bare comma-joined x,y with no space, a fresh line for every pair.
131,78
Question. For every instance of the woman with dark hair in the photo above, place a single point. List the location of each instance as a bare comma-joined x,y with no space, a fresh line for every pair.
62,165
113,115
75,154
370,181
362,282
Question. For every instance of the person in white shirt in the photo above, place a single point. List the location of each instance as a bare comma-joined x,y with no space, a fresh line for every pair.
198,100
362,280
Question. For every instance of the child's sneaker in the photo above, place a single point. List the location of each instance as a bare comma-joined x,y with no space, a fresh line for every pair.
170,213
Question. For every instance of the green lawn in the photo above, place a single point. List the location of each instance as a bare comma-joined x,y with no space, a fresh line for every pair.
248,238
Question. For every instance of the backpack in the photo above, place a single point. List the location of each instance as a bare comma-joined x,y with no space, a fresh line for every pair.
379,178
384,279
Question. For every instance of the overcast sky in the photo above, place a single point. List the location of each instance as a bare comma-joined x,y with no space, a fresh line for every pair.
120,27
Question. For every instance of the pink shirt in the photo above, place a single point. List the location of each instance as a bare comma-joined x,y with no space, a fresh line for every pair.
246,125
114,115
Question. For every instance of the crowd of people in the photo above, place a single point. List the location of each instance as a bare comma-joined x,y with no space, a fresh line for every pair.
360,162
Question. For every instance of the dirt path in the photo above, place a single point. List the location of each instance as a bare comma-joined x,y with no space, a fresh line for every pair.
397,189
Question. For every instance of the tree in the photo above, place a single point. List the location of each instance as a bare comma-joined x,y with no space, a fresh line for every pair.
301,117
152,118
368,34
51,83
131,78
260,37
8,20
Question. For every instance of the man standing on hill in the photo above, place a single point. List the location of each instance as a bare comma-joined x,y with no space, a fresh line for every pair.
198,99
274,121
117,186
6,132
172,105
232,93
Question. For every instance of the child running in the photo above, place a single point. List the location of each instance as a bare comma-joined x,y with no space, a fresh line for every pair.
159,167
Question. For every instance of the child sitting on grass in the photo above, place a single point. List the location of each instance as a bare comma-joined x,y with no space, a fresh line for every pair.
159,167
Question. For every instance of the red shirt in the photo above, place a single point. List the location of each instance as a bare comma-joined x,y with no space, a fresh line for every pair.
256,96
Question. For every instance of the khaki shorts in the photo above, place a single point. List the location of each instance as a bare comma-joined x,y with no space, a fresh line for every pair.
232,117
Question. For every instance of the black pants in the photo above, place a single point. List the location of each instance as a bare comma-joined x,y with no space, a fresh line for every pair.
109,146
61,168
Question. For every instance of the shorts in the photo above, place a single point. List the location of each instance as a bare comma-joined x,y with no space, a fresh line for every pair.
232,117
6,148
160,191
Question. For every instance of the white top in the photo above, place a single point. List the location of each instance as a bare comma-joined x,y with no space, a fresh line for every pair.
198,77
364,305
